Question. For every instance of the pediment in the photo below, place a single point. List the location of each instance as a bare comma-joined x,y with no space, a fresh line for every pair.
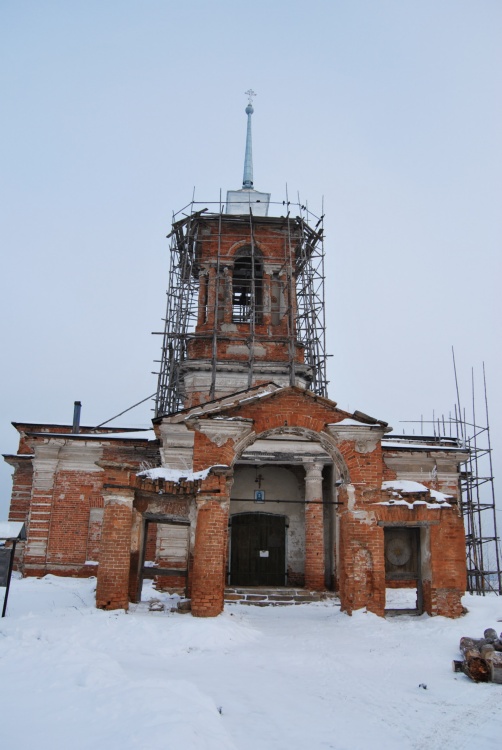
241,406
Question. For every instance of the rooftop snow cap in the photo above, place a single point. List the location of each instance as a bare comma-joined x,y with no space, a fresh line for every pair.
247,199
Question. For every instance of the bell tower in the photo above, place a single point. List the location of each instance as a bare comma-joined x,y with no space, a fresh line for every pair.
245,298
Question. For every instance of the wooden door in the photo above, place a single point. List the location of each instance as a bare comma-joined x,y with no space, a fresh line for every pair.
258,550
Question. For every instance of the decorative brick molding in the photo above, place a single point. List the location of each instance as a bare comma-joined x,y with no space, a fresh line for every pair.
221,430
323,438
365,439
176,445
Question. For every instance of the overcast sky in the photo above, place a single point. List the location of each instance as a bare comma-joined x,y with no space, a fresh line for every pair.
113,112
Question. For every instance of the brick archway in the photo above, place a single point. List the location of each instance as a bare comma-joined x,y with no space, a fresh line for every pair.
325,440
319,540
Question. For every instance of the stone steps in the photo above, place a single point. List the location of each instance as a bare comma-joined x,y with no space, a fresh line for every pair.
399,612
274,596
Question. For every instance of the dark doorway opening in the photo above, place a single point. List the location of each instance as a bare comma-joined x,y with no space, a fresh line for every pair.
258,550
164,553
403,567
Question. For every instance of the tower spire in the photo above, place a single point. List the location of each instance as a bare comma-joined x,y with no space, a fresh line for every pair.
247,198
247,180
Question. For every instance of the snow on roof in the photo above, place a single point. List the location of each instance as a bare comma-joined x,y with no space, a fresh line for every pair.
352,423
260,394
230,401
11,529
393,443
402,487
136,435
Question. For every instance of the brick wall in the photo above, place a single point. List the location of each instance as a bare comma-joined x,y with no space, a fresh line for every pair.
57,492
74,494
362,563
69,526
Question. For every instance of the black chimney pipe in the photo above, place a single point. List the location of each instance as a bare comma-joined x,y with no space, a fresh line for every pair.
77,406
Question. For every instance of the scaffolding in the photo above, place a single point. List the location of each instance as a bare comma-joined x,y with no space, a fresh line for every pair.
302,264
181,310
477,487
478,497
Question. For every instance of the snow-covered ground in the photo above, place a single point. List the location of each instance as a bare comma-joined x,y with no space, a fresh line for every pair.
292,678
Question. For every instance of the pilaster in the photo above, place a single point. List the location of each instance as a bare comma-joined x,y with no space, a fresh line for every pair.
115,553
210,551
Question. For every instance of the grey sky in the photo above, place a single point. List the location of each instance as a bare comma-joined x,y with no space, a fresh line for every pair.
113,112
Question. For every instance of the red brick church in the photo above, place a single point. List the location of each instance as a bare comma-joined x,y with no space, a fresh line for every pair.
252,480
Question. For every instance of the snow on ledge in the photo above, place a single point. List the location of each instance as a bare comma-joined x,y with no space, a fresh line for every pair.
400,487
176,475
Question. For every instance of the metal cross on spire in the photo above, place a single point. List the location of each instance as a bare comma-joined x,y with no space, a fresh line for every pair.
247,181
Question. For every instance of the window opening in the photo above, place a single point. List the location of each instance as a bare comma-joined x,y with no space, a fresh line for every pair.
275,299
247,289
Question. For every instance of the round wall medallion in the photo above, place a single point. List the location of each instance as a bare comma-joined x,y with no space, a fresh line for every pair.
398,552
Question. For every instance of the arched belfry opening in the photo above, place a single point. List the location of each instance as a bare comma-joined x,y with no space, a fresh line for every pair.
247,287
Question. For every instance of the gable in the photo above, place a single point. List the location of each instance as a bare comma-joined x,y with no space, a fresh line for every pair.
287,406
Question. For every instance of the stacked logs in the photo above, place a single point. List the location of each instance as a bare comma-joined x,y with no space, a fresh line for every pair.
482,657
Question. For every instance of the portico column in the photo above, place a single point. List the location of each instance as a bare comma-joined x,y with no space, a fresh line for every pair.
210,555
115,550
314,528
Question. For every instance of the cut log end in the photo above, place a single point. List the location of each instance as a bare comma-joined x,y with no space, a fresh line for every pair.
477,669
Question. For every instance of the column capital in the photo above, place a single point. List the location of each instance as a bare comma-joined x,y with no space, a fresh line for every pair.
313,470
204,498
119,497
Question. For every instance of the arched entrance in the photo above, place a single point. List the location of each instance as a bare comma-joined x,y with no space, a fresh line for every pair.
257,549
291,472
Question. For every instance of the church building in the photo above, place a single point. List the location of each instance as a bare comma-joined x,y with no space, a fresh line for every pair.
252,484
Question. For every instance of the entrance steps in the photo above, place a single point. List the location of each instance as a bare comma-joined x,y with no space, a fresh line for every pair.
260,596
